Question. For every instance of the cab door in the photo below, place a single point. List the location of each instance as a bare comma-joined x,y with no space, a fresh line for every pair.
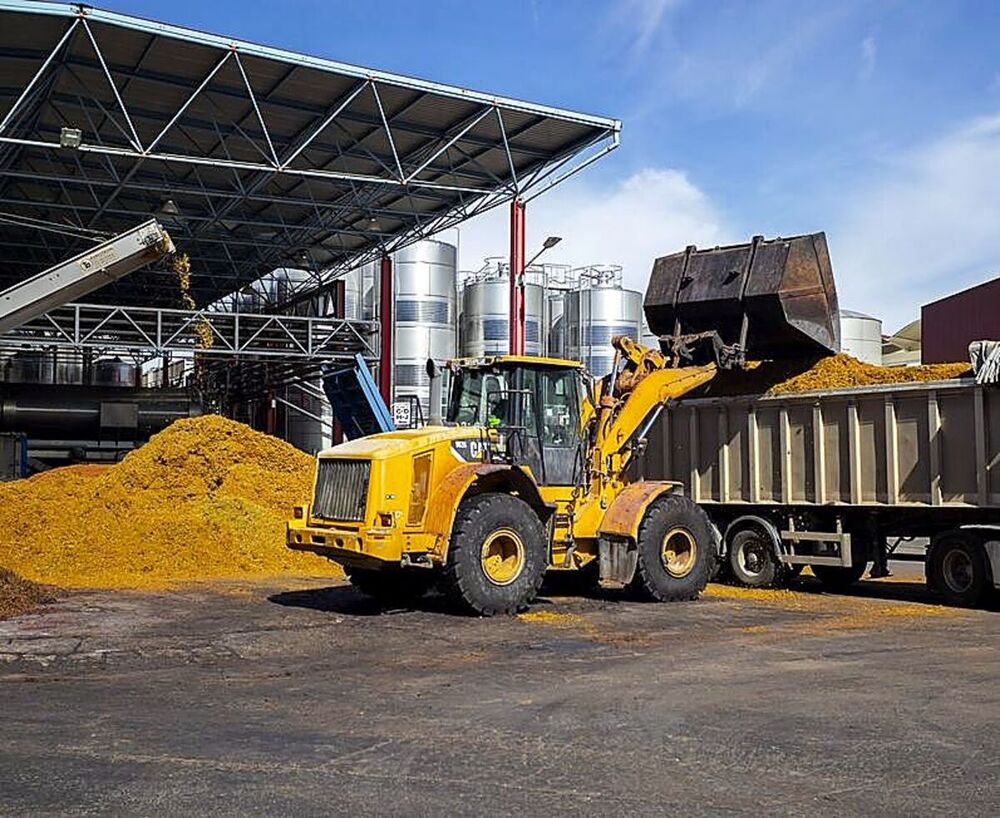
561,436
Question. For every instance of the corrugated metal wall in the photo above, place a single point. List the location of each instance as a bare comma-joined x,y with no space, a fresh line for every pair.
948,326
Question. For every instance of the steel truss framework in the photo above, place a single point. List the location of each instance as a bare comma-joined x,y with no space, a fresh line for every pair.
254,157
150,331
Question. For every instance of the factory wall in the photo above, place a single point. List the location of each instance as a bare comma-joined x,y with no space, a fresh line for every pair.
950,324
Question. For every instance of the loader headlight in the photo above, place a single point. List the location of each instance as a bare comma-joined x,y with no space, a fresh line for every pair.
299,512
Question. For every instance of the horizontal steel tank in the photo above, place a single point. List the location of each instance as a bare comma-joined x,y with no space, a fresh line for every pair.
484,324
90,412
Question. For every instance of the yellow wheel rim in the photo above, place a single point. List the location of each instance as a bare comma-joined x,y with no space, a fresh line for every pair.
679,552
502,556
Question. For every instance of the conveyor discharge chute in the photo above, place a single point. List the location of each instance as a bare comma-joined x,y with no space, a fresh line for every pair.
768,299
69,280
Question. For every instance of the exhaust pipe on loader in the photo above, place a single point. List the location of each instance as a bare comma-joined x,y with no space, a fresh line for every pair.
769,299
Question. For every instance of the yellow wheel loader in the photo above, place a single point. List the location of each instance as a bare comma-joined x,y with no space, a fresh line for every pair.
534,467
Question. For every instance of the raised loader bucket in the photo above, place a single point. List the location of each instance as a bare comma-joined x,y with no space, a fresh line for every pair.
769,299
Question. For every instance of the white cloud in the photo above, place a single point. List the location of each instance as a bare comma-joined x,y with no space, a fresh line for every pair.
869,53
644,18
925,227
718,70
651,213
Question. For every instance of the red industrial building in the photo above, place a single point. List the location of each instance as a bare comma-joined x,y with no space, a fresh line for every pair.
950,324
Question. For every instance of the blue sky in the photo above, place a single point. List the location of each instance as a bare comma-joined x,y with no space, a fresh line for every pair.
878,122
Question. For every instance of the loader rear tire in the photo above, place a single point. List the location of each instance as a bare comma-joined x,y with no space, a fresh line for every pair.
497,555
676,551
394,586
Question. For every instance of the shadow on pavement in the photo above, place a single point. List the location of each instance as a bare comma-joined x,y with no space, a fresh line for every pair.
344,599
890,590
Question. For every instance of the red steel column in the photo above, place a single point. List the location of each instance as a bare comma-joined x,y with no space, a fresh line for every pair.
517,230
385,296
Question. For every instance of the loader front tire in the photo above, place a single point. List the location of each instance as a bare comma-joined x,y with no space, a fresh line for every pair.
676,551
497,555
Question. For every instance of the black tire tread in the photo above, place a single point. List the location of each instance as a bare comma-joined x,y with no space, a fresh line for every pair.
457,585
774,578
981,588
646,583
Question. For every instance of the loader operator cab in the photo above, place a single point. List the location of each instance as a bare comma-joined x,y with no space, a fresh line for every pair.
535,405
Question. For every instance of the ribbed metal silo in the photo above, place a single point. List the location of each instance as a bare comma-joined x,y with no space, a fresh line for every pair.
861,336
425,281
484,325
596,312
555,301
646,336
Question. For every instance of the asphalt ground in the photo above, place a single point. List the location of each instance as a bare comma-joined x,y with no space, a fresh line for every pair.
293,697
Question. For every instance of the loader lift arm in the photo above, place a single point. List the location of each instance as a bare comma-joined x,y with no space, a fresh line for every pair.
630,399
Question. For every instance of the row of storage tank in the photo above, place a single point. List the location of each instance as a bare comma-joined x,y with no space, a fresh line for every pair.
441,314
31,366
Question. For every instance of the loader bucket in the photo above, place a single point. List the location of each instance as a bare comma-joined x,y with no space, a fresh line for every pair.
773,298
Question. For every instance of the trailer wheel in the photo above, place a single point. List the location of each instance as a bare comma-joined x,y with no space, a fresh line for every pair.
752,558
392,586
957,568
675,551
497,555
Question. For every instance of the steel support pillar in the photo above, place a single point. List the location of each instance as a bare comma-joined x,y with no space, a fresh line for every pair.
517,230
339,311
385,296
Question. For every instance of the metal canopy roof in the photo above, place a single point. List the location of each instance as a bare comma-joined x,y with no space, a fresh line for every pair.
255,158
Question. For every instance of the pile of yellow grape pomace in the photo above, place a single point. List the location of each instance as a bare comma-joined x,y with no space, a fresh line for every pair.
206,498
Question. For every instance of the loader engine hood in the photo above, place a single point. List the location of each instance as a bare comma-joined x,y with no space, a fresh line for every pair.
388,445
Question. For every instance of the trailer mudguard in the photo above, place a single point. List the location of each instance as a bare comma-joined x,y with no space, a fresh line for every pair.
624,515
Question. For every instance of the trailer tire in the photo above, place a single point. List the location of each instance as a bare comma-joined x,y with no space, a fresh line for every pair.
497,555
958,569
676,552
392,586
752,558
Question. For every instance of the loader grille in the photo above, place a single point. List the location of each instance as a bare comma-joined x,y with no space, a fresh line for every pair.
341,489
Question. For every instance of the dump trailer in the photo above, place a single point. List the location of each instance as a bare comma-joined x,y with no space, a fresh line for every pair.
837,479
532,469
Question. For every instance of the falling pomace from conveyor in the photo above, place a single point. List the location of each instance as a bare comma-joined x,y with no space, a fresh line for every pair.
768,299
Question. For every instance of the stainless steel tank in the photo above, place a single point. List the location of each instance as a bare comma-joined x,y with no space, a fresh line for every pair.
593,316
556,327
647,337
310,429
31,366
69,369
484,327
113,372
861,336
425,284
